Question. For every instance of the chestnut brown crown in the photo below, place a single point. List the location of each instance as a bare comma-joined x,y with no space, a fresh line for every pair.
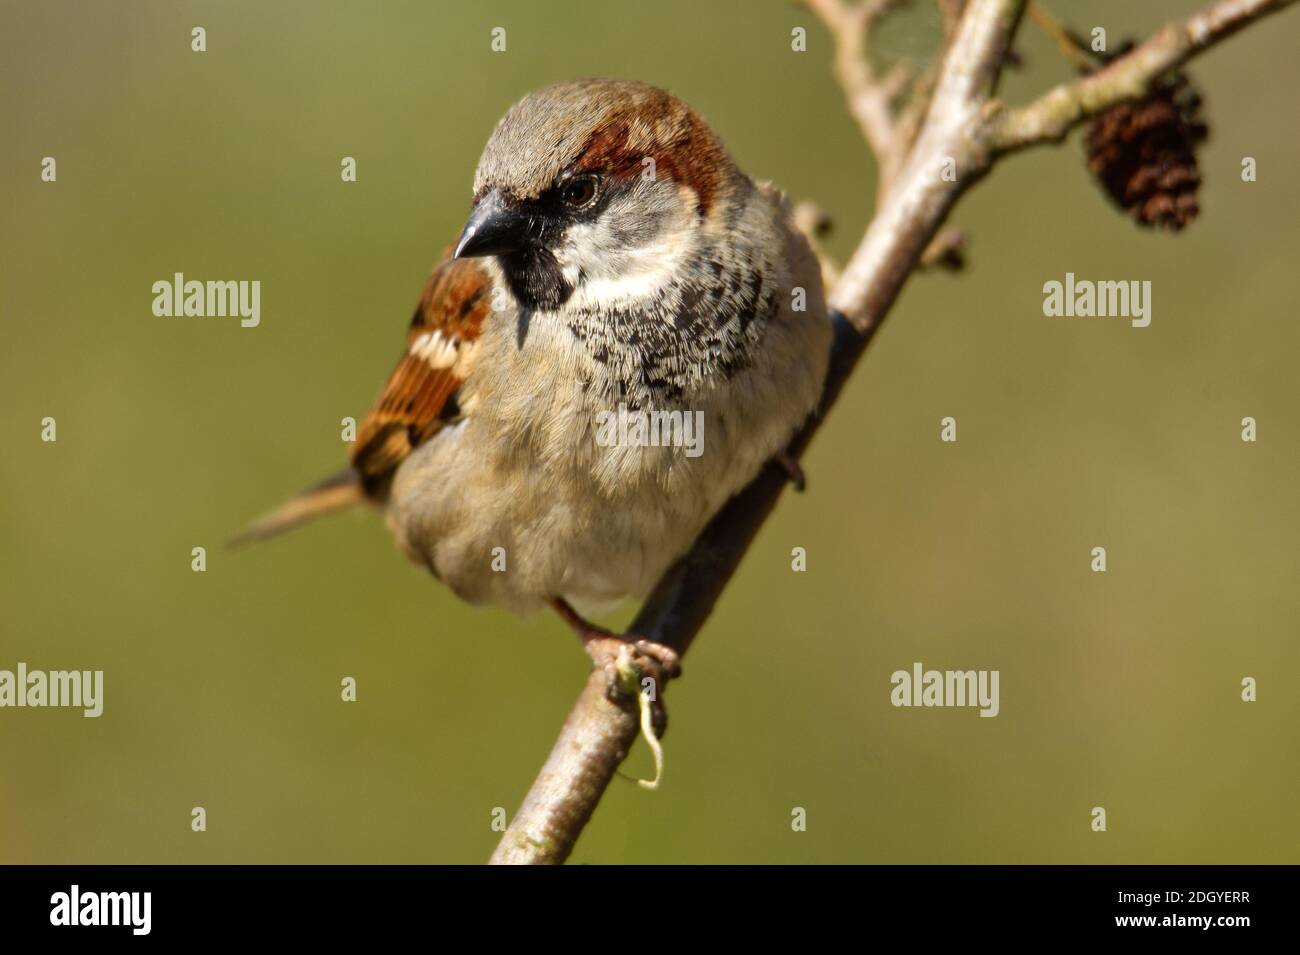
612,127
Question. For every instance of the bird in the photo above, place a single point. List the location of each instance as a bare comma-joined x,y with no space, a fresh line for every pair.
619,283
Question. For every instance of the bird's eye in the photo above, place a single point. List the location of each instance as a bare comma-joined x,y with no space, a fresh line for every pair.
580,191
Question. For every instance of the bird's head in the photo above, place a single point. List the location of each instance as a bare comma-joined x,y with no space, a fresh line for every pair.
599,188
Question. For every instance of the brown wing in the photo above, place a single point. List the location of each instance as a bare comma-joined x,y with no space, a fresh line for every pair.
420,396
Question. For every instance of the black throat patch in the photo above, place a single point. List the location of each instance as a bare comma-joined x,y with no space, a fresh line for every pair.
535,279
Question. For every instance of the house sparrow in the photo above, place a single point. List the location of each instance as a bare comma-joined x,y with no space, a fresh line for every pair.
616,266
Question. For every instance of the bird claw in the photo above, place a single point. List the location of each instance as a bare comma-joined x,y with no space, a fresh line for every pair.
793,472
628,662
633,665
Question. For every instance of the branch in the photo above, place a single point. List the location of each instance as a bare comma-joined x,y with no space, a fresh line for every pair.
921,198
1053,114
595,739
962,125
870,98
950,11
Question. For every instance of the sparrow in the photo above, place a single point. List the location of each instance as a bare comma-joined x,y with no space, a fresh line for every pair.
616,266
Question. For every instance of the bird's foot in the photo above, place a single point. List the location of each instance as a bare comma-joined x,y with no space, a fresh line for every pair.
631,664
793,472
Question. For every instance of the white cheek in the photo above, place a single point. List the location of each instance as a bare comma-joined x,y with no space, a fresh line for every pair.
612,270
570,267
631,273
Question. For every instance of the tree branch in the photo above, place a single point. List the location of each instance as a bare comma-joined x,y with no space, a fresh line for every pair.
595,739
920,199
870,98
1053,114
964,129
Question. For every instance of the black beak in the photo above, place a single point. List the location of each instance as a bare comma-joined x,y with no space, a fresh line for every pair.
494,228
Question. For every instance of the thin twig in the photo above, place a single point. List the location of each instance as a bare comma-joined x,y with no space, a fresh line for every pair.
869,97
950,11
947,250
1056,112
1064,40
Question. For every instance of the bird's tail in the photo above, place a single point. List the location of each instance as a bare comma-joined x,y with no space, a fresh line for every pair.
335,493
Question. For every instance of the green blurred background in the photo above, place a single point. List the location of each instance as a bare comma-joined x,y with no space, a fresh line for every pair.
222,688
